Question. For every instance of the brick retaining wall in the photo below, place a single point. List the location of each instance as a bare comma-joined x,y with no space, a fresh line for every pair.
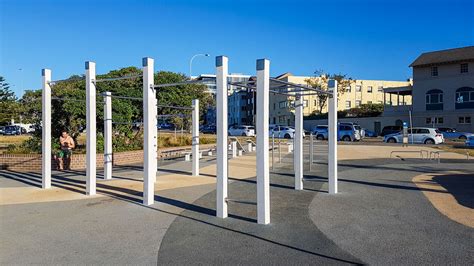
32,162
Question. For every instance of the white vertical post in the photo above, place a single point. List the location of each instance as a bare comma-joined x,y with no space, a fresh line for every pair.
108,135
46,129
195,140
234,148
221,110
298,148
332,136
263,171
149,106
91,143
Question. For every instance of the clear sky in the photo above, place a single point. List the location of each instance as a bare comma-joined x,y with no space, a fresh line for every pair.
364,39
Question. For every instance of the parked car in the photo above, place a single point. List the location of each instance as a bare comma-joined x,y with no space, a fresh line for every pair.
423,135
208,129
470,141
370,133
2,130
452,133
248,131
355,126
283,132
390,130
346,132
12,130
165,126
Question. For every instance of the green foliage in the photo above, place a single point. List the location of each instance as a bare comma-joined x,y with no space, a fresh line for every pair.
9,107
71,115
364,110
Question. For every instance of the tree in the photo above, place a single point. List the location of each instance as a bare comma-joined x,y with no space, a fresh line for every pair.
8,106
320,81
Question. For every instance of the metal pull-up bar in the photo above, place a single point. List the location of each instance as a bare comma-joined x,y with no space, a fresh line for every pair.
180,83
118,78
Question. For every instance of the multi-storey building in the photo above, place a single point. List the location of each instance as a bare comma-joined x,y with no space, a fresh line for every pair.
357,93
443,89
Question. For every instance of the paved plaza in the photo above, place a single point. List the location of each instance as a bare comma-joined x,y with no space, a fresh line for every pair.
384,214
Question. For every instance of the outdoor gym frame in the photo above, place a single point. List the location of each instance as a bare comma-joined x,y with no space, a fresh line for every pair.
264,85
150,164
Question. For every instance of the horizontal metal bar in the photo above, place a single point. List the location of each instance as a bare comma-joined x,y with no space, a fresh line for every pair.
66,99
122,97
175,107
118,78
53,82
300,86
180,115
127,123
178,83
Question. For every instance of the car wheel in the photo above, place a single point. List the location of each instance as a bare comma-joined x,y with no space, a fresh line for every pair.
462,137
429,141
391,140
346,138
320,137
287,136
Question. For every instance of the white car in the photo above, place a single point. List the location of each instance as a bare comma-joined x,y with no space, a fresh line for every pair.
282,132
424,135
246,131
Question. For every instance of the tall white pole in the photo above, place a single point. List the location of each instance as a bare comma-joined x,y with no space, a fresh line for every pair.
298,149
195,140
149,113
263,171
46,129
91,144
222,174
108,135
332,138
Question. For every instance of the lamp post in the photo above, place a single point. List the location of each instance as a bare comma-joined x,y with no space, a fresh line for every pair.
191,63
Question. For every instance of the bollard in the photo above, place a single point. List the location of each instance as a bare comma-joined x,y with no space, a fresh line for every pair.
240,153
249,146
234,149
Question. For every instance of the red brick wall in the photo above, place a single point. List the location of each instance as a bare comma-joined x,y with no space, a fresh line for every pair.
32,162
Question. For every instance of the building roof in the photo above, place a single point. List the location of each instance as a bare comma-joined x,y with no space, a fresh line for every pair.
445,56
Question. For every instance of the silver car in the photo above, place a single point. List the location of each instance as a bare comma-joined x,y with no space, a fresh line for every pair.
423,135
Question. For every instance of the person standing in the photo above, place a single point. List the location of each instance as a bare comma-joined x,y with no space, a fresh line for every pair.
64,155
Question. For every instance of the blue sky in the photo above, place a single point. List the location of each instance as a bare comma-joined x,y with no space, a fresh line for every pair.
364,39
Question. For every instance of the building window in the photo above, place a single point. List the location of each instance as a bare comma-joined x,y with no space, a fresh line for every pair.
434,120
434,100
464,68
369,89
281,119
282,104
315,102
464,98
274,106
434,71
464,120
380,89
357,103
358,88
348,104
348,89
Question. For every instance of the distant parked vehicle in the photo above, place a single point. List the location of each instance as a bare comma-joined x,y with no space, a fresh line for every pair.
283,132
12,130
346,132
209,129
2,130
452,133
470,141
247,131
370,133
422,135
165,126
390,130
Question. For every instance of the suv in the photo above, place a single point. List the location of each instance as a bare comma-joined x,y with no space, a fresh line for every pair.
424,135
355,126
246,131
390,130
321,132
12,130
346,132
208,129
452,133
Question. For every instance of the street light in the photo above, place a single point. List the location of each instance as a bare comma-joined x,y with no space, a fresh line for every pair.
191,63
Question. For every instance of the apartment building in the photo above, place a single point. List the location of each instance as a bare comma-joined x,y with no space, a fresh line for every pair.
359,92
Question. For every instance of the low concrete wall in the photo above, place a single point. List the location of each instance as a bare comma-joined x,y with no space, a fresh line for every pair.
32,162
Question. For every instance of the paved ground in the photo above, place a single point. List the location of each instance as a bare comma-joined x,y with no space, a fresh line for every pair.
379,217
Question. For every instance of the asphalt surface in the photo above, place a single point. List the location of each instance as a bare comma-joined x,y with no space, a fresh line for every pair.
379,217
